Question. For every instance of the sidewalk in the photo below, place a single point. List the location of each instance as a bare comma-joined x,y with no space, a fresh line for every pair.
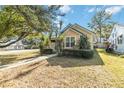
27,61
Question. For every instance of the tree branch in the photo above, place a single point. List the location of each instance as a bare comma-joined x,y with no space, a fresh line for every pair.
23,35
4,41
27,18
7,24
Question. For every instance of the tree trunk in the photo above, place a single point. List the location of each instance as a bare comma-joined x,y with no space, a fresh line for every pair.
100,34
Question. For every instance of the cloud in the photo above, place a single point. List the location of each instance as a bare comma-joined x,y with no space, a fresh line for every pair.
65,9
59,18
110,10
98,9
72,11
94,9
114,9
91,10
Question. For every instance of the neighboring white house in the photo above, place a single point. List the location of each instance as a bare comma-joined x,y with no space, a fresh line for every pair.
116,38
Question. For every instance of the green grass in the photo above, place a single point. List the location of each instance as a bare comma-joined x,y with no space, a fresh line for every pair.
115,64
12,58
103,70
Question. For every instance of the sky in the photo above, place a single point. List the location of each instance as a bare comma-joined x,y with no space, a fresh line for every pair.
82,14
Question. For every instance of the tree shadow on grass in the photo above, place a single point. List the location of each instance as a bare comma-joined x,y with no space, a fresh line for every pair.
4,60
109,54
23,73
75,62
7,60
32,57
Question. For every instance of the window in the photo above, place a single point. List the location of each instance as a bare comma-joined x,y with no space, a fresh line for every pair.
120,39
70,41
67,41
113,35
113,41
116,47
114,29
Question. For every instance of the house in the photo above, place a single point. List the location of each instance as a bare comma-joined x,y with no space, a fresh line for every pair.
101,43
72,35
16,46
116,38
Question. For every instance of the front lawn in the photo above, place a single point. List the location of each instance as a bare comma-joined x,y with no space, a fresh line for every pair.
8,57
104,70
115,64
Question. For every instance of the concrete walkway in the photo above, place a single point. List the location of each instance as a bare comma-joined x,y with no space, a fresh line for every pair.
27,61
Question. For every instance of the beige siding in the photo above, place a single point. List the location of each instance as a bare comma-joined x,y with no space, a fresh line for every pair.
91,41
70,32
90,35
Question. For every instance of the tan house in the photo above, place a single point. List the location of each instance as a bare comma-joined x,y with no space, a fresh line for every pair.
72,35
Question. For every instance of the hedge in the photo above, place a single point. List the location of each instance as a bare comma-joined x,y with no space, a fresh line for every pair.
84,53
47,51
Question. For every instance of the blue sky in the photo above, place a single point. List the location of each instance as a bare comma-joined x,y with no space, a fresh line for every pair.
82,14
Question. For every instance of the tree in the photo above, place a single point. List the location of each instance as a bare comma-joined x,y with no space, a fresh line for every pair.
33,40
40,18
99,22
12,25
107,28
84,43
51,28
59,38
19,21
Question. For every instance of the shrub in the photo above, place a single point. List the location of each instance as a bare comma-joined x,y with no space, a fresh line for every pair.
78,53
84,43
47,51
41,49
109,50
28,47
46,42
122,56
87,53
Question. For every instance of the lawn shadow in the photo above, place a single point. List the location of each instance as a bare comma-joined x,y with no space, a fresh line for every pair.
109,54
7,60
23,73
75,62
29,58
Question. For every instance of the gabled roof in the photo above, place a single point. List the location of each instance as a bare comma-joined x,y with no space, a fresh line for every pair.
68,26
83,28
72,27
